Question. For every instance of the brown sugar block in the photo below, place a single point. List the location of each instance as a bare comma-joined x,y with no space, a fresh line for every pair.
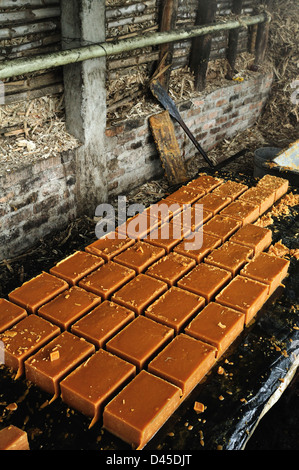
230,256
103,322
279,185
175,308
109,246
139,226
140,256
139,293
214,203
184,362
185,195
13,438
140,340
243,211
24,338
91,385
193,217
141,408
217,325
107,279
171,268
205,280
231,189
205,182
53,362
253,236
221,226
164,210
245,295
168,235
10,314
76,266
34,293
268,269
198,245
261,196
68,307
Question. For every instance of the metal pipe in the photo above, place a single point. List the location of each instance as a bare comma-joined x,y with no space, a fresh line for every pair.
12,68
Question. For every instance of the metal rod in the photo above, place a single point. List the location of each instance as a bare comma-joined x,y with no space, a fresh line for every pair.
12,68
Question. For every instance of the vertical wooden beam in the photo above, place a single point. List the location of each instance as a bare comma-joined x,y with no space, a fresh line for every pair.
85,101
167,23
261,43
233,38
201,46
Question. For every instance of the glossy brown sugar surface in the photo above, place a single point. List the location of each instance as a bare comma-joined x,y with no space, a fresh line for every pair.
140,340
245,295
139,256
76,266
110,245
268,269
221,227
139,293
205,280
230,189
175,308
126,415
34,293
10,314
230,256
90,386
253,236
68,307
24,338
184,362
107,279
53,362
13,438
103,322
171,268
217,325
198,245
245,212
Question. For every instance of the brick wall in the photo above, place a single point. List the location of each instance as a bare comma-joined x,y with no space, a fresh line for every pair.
34,201
132,155
40,199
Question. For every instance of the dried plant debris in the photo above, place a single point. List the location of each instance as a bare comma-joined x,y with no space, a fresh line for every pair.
32,131
279,249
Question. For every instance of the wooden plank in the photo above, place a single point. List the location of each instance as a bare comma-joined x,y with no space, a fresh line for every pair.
261,43
167,23
201,46
167,145
29,15
41,45
33,83
33,94
6,4
24,30
233,40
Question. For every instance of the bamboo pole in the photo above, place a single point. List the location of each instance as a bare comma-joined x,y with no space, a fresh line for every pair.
12,68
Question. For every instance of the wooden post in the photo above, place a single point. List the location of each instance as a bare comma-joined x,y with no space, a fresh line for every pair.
233,41
168,21
261,43
201,46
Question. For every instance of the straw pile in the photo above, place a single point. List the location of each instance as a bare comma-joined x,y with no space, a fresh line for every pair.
280,120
